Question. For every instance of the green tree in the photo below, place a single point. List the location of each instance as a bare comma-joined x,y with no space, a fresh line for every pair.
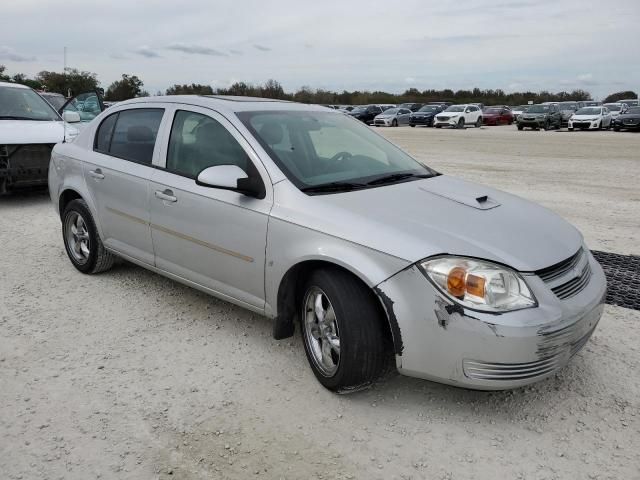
73,81
129,86
193,89
614,97
3,76
273,89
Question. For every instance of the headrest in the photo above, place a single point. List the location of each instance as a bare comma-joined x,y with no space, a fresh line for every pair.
271,133
139,133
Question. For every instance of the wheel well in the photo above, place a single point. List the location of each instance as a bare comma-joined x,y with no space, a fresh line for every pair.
290,291
65,198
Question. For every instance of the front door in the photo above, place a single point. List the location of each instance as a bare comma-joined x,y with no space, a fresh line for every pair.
117,174
213,237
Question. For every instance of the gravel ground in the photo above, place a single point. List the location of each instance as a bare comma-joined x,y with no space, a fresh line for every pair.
130,375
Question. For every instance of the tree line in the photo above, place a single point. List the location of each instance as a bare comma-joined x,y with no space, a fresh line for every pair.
73,82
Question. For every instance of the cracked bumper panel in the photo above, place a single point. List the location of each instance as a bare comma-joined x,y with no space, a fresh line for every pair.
450,344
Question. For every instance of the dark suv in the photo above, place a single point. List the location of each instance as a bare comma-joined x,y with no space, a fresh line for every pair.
366,113
544,115
425,115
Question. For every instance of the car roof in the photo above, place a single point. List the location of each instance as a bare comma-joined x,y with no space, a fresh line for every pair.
228,103
15,85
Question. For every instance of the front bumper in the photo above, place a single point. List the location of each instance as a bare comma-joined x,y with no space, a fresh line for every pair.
583,125
446,343
531,123
449,122
421,121
382,122
24,165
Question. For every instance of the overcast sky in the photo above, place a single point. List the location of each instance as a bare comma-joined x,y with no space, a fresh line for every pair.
347,44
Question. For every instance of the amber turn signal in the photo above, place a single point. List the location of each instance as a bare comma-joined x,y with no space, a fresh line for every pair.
456,281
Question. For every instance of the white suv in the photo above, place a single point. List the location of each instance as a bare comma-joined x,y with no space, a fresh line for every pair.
459,116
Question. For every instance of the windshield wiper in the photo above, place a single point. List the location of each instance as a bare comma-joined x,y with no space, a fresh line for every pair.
333,187
396,177
14,117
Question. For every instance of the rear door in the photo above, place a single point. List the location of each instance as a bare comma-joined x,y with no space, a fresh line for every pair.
117,174
212,237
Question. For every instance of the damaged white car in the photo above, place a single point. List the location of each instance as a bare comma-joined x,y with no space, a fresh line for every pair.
309,217
29,128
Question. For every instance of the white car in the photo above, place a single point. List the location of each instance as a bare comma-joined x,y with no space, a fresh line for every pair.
616,109
29,128
459,116
518,110
590,118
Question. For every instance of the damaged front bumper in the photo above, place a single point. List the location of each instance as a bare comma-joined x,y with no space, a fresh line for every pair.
24,165
438,340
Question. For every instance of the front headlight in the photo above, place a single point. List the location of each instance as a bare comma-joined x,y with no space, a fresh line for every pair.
478,284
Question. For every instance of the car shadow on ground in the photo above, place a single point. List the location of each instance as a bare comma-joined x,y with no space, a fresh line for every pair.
26,197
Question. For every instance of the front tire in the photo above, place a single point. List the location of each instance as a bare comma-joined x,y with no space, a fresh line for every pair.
342,331
520,127
394,123
81,239
461,123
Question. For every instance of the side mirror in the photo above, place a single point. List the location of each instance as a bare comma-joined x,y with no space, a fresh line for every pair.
231,177
70,116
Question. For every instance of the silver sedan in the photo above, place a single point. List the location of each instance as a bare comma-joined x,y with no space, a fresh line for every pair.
310,218
392,117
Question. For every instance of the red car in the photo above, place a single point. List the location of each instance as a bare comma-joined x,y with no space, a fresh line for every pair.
499,115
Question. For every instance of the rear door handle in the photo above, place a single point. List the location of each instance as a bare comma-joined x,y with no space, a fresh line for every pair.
166,195
97,174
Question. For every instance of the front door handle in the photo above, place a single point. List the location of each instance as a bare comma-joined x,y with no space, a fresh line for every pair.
97,174
166,195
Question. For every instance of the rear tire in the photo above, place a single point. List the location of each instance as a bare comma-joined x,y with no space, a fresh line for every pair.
346,350
479,122
81,240
411,125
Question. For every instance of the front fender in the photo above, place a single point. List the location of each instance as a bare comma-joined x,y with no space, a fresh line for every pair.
289,244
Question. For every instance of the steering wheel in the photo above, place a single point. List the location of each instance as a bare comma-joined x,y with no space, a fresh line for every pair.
340,157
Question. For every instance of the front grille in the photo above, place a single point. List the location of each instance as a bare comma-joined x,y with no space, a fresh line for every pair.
442,119
511,371
575,285
577,270
630,122
582,124
562,268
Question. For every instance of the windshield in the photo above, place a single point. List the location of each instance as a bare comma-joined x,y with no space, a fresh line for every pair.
57,101
613,107
538,109
429,108
568,106
589,111
391,111
319,148
24,104
455,108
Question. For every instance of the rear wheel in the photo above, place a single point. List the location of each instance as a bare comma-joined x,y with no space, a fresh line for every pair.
411,125
600,125
342,330
479,122
616,129
81,239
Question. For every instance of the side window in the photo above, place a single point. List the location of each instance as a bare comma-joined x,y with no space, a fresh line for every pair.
134,135
105,131
198,141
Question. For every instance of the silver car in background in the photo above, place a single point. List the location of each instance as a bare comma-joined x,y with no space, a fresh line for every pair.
393,117
309,217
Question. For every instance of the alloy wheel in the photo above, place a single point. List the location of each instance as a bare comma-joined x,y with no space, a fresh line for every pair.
321,332
77,237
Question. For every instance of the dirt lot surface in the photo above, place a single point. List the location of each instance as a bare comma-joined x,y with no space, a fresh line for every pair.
130,375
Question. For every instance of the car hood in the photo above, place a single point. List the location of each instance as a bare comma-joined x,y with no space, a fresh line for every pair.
418,219
585,117
20,132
